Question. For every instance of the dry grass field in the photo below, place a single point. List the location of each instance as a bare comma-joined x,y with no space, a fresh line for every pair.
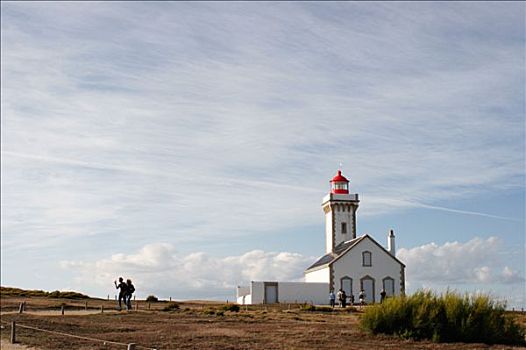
196,325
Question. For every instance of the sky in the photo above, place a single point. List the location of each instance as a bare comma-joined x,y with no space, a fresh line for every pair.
188,145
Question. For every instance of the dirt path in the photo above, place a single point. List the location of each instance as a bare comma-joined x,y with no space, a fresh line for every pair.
5,345
59,313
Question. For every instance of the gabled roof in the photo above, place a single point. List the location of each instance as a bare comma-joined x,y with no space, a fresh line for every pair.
341,249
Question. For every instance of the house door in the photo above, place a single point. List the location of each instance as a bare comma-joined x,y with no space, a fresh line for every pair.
368,287
271,293
346,285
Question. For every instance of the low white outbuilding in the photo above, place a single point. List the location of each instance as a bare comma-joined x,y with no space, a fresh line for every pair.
350,263
282,292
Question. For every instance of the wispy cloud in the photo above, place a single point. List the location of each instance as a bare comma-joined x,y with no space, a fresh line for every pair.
195,122
397,203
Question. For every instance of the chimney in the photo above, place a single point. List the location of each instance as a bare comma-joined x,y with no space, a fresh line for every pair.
391,243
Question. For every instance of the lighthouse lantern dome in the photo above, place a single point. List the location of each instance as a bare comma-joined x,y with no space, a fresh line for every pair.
339,184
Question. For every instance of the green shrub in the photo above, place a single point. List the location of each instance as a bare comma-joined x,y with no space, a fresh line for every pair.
231,307
312,308
308,307
152,298
171,307
444,318
211,311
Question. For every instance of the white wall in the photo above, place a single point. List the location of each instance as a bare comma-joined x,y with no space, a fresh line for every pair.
244,300
328,232
383,265
301,292
289,292
257,292
321,275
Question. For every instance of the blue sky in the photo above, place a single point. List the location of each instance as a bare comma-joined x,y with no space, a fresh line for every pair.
159,140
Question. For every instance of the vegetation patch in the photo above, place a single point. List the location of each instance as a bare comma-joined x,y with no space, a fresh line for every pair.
312,308
444,318
231,307
152,299
17,292
212,311
171,307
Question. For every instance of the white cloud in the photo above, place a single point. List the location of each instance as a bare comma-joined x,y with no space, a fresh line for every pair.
158,269
455,263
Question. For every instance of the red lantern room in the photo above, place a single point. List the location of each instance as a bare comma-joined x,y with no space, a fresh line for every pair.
339,184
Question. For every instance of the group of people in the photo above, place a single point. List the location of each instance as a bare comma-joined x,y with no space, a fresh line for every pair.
342,298
126,290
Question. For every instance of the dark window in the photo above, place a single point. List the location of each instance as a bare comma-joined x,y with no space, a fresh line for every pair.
367,259
389,286
344,227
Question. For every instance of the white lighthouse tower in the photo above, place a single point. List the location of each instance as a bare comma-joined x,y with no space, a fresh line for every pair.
340,213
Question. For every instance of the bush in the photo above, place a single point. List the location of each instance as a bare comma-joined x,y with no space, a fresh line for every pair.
211,311
152,298
308,307
171,307
444,318
231,307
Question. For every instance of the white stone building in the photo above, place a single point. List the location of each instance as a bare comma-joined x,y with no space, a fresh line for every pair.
351,263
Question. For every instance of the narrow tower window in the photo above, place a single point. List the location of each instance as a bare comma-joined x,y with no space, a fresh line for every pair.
344,227
366,259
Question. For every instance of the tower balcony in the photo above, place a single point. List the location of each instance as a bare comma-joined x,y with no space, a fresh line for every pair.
350,197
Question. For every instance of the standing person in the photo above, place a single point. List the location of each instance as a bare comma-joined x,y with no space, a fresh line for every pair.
382,295
361,296
129,292
344,299
339,296
351,299
332,298
122,292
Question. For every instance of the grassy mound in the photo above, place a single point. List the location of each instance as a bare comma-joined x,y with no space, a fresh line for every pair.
171,307
444,318
17,292
231,307
313,308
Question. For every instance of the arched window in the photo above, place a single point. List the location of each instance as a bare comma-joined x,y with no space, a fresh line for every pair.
367,259
367,286
388,284
346,285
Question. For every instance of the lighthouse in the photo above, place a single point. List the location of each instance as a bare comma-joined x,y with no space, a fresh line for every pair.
351,263
340,209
